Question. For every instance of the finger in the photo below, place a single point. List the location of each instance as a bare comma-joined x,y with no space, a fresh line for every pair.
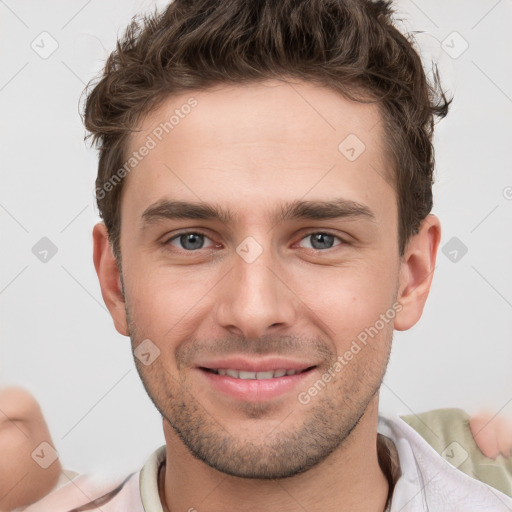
504,437
483,430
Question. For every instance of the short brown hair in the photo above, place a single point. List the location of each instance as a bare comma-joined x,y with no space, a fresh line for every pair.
350,46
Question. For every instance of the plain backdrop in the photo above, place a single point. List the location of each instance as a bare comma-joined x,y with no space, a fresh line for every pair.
58,339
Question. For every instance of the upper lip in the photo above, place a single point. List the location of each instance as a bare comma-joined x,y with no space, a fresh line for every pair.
255,365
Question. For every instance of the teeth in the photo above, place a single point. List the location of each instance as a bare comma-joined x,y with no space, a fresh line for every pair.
242,374
246,375
265,375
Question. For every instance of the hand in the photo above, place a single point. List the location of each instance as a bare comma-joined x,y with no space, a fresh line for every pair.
492,434
22,430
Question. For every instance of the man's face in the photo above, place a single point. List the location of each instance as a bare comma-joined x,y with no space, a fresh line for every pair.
256,292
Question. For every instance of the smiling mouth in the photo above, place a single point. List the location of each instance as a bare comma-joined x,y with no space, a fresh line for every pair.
248,375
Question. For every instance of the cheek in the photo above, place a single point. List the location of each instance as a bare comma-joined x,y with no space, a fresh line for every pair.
164,302
350,299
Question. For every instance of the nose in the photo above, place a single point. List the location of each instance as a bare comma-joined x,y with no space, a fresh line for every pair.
256,296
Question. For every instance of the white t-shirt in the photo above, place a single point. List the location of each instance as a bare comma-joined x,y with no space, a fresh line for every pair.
427,482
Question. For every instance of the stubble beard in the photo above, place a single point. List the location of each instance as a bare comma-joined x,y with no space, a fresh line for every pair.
306,436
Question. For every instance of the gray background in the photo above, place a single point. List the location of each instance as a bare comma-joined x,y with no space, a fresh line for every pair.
57,338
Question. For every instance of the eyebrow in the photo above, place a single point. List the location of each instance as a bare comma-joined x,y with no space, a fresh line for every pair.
295,210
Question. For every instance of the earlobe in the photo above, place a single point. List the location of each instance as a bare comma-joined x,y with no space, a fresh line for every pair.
109,277
417,271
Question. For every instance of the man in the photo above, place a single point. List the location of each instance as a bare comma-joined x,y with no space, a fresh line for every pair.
265,180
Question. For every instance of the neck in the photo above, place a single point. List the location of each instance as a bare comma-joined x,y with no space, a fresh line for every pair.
349,479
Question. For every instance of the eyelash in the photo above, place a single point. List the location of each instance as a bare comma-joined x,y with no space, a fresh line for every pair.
177,236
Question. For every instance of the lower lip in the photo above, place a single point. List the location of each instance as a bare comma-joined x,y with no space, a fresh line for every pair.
255,389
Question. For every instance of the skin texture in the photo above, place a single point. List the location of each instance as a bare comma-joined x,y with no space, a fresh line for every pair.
249,149
22,430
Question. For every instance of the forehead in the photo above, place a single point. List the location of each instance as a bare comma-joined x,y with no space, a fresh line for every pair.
264,109
272,139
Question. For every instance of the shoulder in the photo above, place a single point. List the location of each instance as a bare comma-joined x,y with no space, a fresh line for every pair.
448,432
104,492
427,478
92,492
439,425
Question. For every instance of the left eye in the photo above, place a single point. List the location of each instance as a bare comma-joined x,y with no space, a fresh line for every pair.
321,240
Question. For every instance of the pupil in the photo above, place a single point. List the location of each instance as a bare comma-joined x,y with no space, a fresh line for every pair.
190,237
322,237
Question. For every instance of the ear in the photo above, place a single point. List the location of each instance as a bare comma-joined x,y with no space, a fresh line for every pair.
416,272
109,277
